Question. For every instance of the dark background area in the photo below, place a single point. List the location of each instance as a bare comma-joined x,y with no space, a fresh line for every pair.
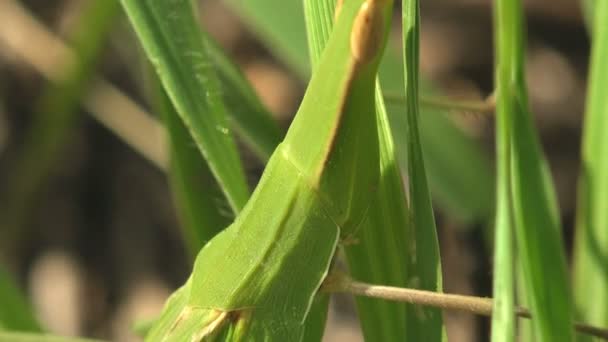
101,247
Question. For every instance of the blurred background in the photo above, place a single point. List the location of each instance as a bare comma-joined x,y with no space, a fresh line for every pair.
88,229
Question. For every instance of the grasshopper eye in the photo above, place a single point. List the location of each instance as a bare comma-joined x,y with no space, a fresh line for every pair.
367,33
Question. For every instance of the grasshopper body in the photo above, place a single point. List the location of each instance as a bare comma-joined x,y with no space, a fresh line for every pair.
256,280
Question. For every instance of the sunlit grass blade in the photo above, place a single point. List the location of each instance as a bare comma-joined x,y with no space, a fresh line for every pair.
56,115
503,312
459,175
170,34
591,248
427,266
379,253
536,221
248,116
15,311
200,203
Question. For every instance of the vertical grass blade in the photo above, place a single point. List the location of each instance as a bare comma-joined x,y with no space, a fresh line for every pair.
503,312
170,34
536,221
15,312
591,248
56,114
427,267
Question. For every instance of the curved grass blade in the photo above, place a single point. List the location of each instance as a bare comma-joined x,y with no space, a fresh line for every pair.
380,251
248,116
428,262
199,200
56,114
460,176
537,226
172,39
591,246
15,312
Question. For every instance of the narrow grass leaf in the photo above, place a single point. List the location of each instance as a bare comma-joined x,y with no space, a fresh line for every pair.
200,203
56,115
15,311
247,115
427,261
591,247
503,312
536,221
170,34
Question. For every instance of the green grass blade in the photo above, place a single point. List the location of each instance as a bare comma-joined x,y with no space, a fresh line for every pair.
379,254
15,312
248,116
460,176
537,226
280,24
28,337
197,195
503,315
459,173
591,248
428,263
170,34
56,114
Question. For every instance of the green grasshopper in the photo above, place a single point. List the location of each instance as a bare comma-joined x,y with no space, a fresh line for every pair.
256,280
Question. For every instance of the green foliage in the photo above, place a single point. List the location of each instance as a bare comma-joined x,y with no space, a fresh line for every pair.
535,215
428,263
591,248
15,312
336,178
173,41
200,202
379,252
246,113
312,181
